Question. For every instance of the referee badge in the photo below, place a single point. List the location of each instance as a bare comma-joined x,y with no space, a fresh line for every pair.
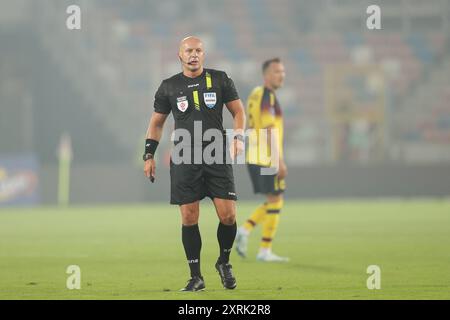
210,99
182,103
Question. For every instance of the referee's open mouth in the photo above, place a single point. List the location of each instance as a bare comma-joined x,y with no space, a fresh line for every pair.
193,63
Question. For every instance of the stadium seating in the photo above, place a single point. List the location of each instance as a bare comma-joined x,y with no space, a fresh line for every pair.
134,46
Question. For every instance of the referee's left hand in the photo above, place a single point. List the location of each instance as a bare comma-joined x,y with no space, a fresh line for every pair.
236,148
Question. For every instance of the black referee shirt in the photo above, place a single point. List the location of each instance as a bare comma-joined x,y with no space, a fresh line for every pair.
196,99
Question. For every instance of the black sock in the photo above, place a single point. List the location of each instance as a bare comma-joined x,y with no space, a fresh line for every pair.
225,236
192,243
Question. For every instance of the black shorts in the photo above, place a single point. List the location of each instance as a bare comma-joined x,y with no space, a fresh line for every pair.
265,184
193,182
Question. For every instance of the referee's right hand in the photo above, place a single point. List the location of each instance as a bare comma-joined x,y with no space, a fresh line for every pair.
150,169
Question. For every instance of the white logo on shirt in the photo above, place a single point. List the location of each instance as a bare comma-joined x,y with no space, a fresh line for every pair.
210,99
182,103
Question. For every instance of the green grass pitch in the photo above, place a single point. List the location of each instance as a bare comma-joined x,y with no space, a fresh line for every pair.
135,252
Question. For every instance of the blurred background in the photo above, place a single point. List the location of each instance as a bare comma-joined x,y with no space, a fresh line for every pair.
367,112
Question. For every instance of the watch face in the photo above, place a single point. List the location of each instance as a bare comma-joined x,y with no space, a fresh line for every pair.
147,157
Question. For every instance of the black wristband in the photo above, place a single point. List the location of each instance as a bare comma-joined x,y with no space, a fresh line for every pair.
150,146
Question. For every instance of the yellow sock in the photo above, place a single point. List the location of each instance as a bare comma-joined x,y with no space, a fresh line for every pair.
256,217
271,222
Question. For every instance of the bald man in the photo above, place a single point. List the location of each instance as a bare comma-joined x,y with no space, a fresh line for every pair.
196,97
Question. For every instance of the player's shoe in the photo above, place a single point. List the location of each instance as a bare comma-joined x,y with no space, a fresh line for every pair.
226,275
194,284
241,243
269,256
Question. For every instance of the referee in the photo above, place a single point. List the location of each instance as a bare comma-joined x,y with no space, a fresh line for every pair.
196,96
